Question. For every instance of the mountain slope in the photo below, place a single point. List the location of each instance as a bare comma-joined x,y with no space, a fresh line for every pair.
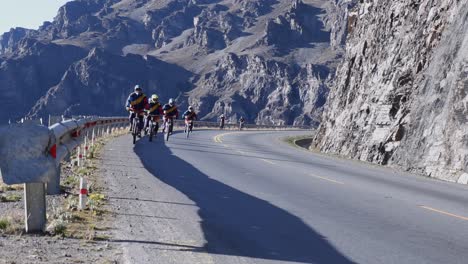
281,48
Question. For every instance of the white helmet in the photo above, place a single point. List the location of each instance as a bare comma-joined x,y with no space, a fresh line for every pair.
190,108
137,88
171,101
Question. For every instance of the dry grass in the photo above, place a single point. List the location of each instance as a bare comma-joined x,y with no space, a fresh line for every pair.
14,187
12,224
10,198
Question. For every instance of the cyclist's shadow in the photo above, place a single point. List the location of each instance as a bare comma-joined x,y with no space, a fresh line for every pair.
236,223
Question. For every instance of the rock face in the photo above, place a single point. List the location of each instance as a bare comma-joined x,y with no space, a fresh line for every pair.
269,60
400,96
268,92
101,75
27,75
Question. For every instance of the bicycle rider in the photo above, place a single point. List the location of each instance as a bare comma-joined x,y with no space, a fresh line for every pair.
170,111
190,116
154,111
136,104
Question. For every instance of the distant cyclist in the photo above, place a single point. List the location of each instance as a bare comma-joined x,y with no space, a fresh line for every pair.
170,112
189,117
222,119
136,104
241,122
154,111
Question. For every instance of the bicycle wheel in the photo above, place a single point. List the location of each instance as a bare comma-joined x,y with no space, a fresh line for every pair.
151,131
187,131
134,130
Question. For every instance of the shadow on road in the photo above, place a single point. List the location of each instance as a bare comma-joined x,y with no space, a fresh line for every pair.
236,223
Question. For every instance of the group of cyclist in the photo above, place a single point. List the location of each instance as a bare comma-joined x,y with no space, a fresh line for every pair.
139,107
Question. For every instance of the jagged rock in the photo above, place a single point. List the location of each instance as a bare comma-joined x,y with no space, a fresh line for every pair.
9,41
300,26
400,96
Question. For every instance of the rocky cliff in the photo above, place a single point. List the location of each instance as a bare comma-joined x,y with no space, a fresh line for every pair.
400,96
269,60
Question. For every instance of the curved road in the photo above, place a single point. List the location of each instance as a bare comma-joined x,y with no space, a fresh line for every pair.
224,197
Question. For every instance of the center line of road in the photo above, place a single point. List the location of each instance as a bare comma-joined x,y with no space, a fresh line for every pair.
326,179
268,161
443,212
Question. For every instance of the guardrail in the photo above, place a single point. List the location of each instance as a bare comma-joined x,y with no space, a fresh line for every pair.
235,126
32,154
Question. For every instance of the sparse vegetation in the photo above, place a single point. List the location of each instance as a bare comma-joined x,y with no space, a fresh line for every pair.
4,223
14,187
11,224
8,198
71,222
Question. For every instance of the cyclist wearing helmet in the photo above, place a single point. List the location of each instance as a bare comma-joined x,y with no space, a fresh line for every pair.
189,116
170,111
136,104
222,120
154,111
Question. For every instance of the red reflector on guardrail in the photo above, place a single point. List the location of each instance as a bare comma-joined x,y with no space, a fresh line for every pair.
76,133
83,191
53,151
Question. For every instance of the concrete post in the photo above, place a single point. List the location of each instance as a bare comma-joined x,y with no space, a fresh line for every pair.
34,207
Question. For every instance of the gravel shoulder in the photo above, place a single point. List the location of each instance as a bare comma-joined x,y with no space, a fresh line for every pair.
72,236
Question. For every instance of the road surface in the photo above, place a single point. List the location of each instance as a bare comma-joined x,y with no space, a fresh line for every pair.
227,197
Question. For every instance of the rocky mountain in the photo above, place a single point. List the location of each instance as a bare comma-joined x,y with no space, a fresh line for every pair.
400,97
271,61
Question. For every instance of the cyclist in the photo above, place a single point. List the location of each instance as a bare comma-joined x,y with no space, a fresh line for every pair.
154,111
136,104
170,111
222,119
189,116
241,122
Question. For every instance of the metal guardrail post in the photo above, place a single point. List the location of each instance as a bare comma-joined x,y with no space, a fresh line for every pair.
53,185
35,207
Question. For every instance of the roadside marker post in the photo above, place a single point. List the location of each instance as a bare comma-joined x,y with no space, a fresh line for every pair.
85,151
79,155
83,197
92,138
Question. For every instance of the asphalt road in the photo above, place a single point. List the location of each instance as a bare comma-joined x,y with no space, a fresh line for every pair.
223,197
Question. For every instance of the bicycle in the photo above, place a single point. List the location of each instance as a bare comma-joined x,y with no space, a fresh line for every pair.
168,127
136,125
188,127
153,126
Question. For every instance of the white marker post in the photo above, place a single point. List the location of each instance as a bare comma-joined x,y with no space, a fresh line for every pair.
78,156
83,194
92,138
85,150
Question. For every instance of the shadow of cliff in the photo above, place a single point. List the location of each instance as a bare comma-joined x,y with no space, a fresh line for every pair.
236,223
